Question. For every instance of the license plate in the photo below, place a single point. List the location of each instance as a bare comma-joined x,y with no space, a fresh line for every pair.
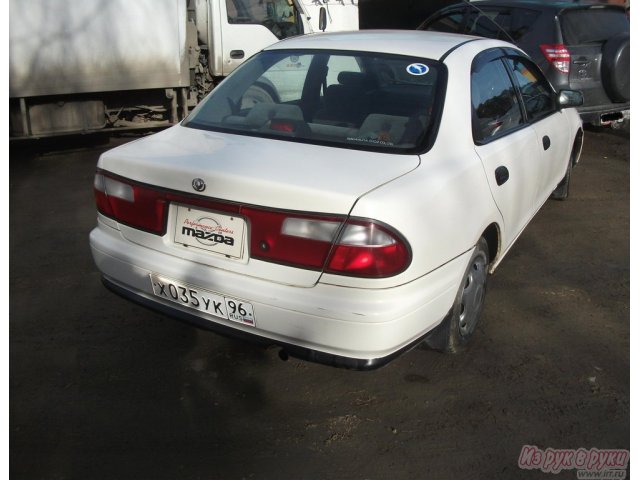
210,231
203,300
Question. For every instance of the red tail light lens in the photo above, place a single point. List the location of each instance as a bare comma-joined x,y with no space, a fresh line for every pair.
130,203
359,248
368,249
282,126
558,56
291,239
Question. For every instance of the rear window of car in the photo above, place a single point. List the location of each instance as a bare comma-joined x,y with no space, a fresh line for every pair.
346,99
594,25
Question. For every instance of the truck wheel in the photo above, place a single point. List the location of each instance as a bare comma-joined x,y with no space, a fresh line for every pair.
615,67
455,331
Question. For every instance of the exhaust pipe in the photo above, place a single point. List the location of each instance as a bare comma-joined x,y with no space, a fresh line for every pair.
609,118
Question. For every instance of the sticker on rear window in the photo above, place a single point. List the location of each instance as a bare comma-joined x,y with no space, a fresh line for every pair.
417,69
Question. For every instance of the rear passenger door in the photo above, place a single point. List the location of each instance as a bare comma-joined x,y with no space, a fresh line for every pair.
506,144
549,122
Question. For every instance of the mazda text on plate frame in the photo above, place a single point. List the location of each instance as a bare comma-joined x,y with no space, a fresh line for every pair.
343,196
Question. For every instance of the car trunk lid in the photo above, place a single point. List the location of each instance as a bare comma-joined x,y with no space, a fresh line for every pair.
244,175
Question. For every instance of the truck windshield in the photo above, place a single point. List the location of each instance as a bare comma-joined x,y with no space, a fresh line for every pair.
279,16
347,99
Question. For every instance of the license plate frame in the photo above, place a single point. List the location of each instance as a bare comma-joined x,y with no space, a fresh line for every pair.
203,300
210,231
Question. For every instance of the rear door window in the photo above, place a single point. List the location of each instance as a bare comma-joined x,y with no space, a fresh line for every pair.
496,110
509,24
522,20
449,22
489,23
537,94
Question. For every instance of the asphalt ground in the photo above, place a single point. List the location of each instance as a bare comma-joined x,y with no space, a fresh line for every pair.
103,389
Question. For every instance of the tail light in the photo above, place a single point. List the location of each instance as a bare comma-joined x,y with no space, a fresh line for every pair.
558,56
335,244
130,203
353,247
291,239
368,249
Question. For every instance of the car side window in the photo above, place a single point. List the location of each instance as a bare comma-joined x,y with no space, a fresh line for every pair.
449,22
250,11
489,23
522,21
508,24
279,16
496,110
537,94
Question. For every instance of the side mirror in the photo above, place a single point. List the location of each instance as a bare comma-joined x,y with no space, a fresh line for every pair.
323,19
570,98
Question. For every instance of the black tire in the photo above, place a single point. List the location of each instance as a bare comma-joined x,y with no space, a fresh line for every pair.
455,331
562,190
615,72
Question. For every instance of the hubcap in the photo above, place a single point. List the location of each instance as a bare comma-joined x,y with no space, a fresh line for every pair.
472,295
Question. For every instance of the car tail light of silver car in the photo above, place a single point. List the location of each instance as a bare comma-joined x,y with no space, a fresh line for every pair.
558,55
333,243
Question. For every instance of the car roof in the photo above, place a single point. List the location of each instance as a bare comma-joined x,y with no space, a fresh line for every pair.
414,43
535,4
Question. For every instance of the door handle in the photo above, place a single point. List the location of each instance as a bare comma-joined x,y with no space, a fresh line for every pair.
502,175
546,142
237,54
582,61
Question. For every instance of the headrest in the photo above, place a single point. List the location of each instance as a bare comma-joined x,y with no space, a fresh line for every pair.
352,79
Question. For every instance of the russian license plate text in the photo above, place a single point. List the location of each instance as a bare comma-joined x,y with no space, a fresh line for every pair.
203,300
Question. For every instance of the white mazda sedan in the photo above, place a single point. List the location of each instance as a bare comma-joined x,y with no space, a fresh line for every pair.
343,196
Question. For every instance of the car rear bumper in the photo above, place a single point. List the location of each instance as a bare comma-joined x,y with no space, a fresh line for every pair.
604,114
288,349
347,327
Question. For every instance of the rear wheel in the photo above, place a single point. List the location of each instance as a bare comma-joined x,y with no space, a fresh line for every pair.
456,329
562,190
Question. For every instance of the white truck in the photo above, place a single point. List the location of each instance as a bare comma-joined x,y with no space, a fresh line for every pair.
79,66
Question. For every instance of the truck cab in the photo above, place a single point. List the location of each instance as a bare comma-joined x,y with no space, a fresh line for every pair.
244,27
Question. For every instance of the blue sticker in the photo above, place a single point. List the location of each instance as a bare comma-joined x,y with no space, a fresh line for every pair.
417,69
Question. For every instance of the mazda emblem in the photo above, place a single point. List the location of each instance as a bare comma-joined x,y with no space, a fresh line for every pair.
198,185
